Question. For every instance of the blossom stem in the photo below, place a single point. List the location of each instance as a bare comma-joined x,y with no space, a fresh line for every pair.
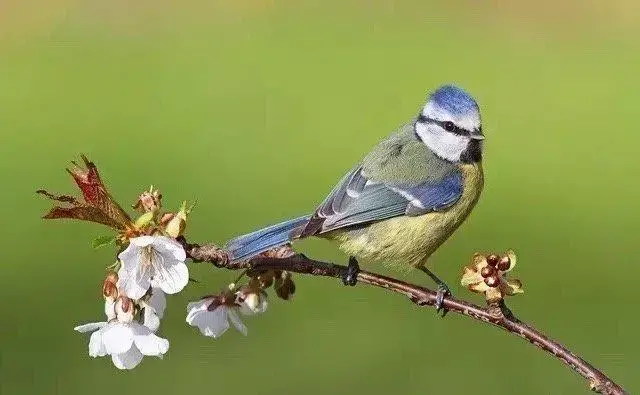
237,280
114,266
499,316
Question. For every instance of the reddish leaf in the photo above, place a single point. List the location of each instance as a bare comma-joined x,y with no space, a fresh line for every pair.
94,191
59,198
84,213
98,205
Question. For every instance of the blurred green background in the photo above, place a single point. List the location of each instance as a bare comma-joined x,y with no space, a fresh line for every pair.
256,108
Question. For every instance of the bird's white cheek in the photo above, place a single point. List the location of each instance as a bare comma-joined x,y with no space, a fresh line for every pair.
446,145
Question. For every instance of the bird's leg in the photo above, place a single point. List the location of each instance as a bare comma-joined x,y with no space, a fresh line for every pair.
350,276
443,289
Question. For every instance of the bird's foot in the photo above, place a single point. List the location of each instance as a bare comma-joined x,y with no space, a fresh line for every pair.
443,290
350,276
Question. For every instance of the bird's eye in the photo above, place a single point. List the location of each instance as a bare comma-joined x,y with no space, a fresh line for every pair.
449,126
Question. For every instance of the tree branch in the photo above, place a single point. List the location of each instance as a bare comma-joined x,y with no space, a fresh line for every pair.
498,315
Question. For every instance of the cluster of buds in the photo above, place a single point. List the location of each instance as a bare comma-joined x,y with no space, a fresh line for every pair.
495,266
152,221
488,274
280,280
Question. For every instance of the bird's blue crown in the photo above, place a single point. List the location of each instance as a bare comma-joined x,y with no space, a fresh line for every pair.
454,100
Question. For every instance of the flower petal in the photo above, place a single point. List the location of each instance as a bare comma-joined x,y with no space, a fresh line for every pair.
127,360
168,246
479,287
237,322
211,323
493,294
217,322
197,307
142,241
134,283
117,338
158,301
151,319
90,327
479,261
110,308
96,345
172,278
470,277
511,287
129,257
147,342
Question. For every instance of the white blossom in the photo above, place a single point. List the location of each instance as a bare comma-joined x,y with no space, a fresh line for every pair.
213,318
152,260
124,339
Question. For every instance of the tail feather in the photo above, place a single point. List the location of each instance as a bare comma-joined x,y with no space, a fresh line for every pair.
252,244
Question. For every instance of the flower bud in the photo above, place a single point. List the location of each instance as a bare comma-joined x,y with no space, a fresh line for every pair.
252,298
125,309
175,227
111,277
254,303
149,201
487,271
144,220
504,264
493,260
284,286
492,281
166,217
266,279
253,285
109,289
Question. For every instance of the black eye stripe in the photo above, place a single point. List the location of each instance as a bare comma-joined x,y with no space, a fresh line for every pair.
446,125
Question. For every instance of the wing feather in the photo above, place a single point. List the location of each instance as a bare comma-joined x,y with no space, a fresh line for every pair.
358,200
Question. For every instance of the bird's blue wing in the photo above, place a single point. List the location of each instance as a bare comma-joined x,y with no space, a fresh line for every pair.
358,200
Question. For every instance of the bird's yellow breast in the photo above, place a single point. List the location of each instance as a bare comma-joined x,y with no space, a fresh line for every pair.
411,240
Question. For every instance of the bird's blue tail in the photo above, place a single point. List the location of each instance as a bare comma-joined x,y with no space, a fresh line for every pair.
252,244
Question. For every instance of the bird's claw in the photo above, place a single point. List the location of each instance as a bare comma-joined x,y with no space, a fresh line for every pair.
443,291
350,276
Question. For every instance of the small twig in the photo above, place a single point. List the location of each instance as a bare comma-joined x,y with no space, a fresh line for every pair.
498,315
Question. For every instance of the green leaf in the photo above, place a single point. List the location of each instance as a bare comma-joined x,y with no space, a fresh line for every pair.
103,241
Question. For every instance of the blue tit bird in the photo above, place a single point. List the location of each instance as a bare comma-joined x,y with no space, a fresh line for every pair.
404,199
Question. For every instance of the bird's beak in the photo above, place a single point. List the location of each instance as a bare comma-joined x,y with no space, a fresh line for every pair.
477,137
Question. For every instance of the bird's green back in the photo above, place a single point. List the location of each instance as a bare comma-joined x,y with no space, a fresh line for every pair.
403,158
